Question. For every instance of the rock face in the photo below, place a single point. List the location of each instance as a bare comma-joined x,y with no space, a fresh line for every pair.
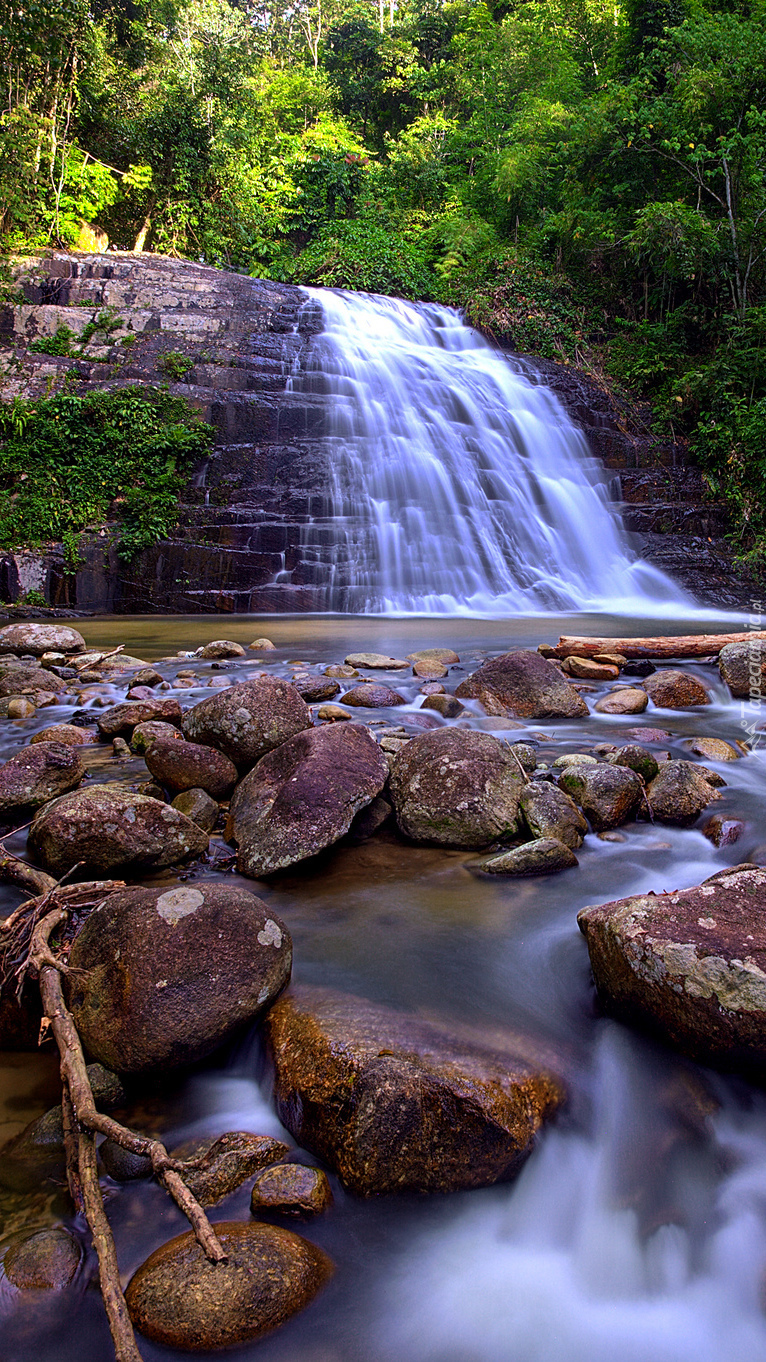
679,793
248,720
168,975
689,965
607,795
527,684
671,689
549,812
456,787
396,1104
179,1298
302,797
292,1189
543,856
191,766
743,667
36,774
109,828
40,638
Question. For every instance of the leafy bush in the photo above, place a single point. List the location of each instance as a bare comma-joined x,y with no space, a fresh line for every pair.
60,344
175,364
364,254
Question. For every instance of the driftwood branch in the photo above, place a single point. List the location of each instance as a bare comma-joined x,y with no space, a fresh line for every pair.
684,645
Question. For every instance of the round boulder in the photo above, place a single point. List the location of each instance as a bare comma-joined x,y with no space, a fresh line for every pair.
607,795
376,662
679,793
221,647
456,787
550,813
179,1298
674,689
30,680
68,734
743,668
372,696
38,774
526,684
248,720
184,765
119,720
151,730
45,1260
40,638
168,974
109,828
625,700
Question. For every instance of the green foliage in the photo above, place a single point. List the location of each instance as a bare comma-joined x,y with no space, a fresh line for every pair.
58,344
175,364
68,462
364,254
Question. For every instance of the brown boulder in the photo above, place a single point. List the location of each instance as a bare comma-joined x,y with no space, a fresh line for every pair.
314,689
164,976
64,733
679,793
38,774
30,681
722,832
248,720
690,965
372,696
109,828
225,1163
179,1298
587,669
198,806
184,765
291,1189
527,684
302,797
549,812
446,705
40,638
144,734
743,668
607,795
221,647
713,749
626,700
637,758
120,720
672,689
376,661
456,787
42,1260
445,656
396,1104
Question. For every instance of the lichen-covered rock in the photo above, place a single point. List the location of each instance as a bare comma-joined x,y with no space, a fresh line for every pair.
549,812
396,1104
637,758
456,787
543,856
291,1189
372,696
227,1162
108,828
690,965
221,647
64,733
526,684
36,774
191,766
40,638
248,720
302,797
30,681
679,793
151,730
42,1260
198,806
674,689
607,795
162,977
743,667
625,700
119,720
179,1298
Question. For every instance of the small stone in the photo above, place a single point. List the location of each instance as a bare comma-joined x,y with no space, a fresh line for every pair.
180,1299
292,1189
543,856
376,661
639,666
262,645
152,790
222,647
332,714
525,753
372,696
714,749
140,693
198,806
45,1260
626,700
650,735
637,758
723,831
611,837
148,677
674,689
446,705
20,707
587,669
121,749
341,671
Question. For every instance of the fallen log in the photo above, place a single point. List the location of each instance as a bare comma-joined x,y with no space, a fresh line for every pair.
680,645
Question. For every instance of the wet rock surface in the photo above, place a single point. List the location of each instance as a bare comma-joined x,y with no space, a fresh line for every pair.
179,1298
227,1162
248,720
674,689
107,829
40,638
168,974
119,720
29,680
679,793
607,795
45,1260
527,685
291,1189
743,667
456,787
626,700
542,856
549,812
396,1104
37,774
372,696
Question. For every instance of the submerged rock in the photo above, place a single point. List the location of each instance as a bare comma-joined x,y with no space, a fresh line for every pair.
722,832
396,1104
302,797
543,856
179,1298
690,965
248,720
607,795
456,787
713,749
527,684
42,1260
167,975
36,774
108,828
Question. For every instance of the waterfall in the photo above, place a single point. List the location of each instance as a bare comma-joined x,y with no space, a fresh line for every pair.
456,485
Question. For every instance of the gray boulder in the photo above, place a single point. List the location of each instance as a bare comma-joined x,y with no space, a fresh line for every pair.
40,638
743,668
607,795
248,720
679,793
456,787
109,829
549,812
526,684
37,774
543,856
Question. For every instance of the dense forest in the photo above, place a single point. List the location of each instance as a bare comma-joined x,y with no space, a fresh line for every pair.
586,177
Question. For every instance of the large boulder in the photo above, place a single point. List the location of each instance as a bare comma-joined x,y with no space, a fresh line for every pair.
607,795
689,965
549,812
40,638
29,681
527,684
679,793
109,828
248,720
163,976
37,774
181,1299
191,766
119,720
303,796
456,787
743,668
396,1104
674,689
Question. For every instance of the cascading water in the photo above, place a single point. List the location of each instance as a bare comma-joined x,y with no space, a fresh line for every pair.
457,486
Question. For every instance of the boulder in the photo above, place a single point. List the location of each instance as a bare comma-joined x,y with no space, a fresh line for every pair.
38,774
122,1165
525,755
588,669
30,681
679,793
332,714
181,1299
191,766
456,787
672,689
109,829
151,730
527,684
198,806
312,689
689,965
291,1189
446,705
248,720
444,655
67,734
302,797
42,1260
396,1104
543,856
119,720
376,661
550,813
168,974
340,670
637,758
20,706
148,676
607,795
227,1162
371,696
626,700
262,645
743,668
221,647
712,749
429,670
40,638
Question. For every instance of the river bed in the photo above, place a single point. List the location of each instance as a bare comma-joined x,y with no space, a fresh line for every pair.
637,1230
